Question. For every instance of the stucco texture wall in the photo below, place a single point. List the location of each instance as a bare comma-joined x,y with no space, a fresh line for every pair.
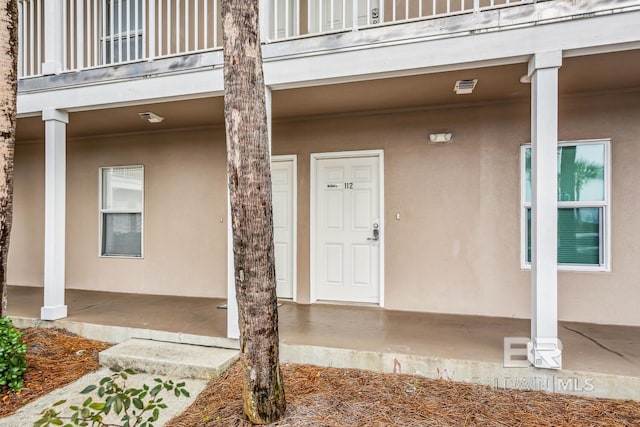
455,249
26,244
184,203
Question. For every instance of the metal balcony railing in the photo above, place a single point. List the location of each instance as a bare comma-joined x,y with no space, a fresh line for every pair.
98,33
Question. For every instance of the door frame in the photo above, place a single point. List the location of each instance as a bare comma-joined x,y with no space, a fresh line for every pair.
294,159
312,224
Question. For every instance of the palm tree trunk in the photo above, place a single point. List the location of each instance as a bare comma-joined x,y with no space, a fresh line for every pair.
8,92
249,171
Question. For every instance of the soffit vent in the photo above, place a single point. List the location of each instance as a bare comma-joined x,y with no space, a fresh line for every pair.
464,87
151,117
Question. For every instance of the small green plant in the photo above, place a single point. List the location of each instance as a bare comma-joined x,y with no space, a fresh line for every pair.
140,407
12,356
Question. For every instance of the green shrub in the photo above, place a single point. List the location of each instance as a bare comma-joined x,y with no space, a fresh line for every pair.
12,356
137,407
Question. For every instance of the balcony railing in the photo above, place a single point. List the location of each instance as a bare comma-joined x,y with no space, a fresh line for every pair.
295,18
97,33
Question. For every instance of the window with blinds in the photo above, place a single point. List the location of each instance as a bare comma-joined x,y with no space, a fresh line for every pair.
583,205
121,209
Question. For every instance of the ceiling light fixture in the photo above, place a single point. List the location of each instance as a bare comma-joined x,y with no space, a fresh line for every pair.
151,117
465,87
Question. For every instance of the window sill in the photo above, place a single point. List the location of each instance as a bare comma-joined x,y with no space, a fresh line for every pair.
575,268
121,256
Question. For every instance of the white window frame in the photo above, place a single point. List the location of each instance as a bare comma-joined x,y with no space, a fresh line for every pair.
605,205
102,211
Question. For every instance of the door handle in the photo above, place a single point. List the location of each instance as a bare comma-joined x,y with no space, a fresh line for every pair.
376,233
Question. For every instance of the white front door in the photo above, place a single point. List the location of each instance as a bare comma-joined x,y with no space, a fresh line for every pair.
283,185
348,229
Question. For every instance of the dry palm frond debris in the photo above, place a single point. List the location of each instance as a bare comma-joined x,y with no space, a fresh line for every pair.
318,396
55,358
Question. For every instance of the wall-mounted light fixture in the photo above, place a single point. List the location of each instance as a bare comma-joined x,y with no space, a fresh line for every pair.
151,117
440,138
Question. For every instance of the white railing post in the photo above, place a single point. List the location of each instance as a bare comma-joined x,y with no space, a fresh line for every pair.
151,29
476,5
21,49
354,25
53,33
38,61
80,24
265,20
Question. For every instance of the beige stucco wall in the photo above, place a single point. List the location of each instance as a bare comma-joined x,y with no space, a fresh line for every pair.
455,249
185,202
26,245
456,245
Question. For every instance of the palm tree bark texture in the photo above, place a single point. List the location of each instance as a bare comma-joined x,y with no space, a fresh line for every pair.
8,92
249,172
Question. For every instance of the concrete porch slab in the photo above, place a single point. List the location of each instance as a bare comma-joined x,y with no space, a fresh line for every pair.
169,359
598,360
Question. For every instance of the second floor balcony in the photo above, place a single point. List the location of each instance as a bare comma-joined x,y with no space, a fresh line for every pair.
58,36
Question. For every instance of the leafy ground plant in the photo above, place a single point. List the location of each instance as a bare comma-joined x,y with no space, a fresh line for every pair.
12,356
138,407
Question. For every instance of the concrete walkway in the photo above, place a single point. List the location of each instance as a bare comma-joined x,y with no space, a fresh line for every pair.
195,365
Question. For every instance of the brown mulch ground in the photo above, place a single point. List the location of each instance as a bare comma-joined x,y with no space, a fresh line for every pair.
319,396
55,358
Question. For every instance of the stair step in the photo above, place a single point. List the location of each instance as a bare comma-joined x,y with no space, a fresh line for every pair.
169,359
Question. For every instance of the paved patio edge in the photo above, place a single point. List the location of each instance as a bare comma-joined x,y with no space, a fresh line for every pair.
579,383
117,334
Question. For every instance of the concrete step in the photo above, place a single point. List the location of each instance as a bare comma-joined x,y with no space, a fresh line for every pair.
169,359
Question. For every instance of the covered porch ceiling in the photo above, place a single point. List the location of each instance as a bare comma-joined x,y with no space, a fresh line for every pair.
585,74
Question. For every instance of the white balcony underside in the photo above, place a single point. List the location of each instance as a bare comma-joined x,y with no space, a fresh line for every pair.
344,58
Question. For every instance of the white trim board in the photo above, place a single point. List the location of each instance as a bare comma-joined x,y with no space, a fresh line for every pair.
294,159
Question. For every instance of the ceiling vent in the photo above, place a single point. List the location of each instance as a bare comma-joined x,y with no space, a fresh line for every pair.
151,117
464,87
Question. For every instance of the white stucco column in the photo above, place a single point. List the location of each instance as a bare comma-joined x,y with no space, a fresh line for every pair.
53,29
54,217
545,350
